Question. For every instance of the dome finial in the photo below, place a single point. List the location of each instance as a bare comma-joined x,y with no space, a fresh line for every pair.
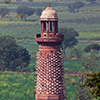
49,13
48,4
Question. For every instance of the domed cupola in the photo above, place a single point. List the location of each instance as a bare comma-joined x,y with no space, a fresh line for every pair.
49,14
49,63
49,27
49,23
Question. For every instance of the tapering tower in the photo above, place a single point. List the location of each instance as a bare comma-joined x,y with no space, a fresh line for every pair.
49,59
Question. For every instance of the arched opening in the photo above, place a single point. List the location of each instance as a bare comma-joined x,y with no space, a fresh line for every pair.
50,26
44,26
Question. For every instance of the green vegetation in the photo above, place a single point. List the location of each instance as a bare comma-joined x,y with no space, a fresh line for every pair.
69,38
73,65
12,56
92,1
19,29
24,11
4,12
17,86
71,92
74,7
86,21
93,81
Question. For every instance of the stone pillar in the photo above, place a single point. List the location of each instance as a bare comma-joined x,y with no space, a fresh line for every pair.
49,59
49,73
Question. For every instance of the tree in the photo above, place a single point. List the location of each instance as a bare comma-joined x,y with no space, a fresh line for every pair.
93,82
76,52
24,11
74,7
90,64
4,12
92,1
38,11
82,92
69,38
18,0
0,73
12,56
94,47
92,79
30,0
7,1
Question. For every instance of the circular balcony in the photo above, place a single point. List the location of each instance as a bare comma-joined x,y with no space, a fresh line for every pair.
55,38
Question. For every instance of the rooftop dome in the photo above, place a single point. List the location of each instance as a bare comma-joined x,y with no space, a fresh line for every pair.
49,13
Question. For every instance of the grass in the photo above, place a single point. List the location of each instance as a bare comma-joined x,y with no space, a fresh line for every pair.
27,30
71,92
89,35
17,86
20,86
19,29
70,89
31,46
31,67
73,65
86,21
84,44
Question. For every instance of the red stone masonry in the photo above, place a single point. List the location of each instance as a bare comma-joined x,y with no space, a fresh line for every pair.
49,60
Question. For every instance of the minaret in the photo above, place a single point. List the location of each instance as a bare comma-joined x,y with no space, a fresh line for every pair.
49,60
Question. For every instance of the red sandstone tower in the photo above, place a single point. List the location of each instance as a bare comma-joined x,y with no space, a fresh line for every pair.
49,59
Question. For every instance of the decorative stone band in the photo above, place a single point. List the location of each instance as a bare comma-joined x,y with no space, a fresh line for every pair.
49,48
49,74
49,97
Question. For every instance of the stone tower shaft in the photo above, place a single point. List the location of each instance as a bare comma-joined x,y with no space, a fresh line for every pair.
49,59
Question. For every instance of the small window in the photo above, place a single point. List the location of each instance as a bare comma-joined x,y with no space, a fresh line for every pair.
45,34
51,51
50,34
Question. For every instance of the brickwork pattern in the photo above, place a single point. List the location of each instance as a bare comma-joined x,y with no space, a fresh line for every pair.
49,73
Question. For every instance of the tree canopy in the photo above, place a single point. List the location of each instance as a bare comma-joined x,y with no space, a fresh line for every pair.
95,47
93,81
92,77
74,7
4,11
92,1
69,37
38,11
24,11
30,0
12,56
76,52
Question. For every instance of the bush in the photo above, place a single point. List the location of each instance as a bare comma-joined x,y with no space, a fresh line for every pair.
12,56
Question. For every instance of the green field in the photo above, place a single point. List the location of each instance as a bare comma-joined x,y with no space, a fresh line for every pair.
17,86
86,21
20,86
